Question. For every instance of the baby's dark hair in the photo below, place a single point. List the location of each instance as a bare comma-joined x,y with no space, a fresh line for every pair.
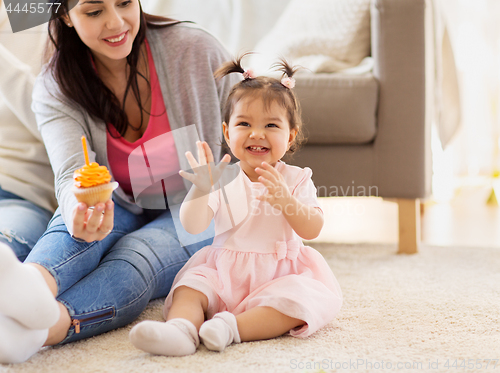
269,89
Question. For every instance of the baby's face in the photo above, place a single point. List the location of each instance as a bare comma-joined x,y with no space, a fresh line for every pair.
257,134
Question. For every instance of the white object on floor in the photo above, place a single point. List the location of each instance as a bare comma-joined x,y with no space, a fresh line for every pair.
220,331
176,337
18,343
25,296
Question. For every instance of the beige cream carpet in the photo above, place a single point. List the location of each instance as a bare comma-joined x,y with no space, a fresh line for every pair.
429,312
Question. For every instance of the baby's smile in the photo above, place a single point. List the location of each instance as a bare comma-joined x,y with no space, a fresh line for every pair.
258,150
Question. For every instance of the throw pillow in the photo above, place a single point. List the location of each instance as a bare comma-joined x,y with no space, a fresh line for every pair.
319,35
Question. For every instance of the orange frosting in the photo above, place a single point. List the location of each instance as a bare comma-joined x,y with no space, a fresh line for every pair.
91,175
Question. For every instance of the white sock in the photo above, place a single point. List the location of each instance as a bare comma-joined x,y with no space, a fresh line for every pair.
18,343
25,296
176,337
219,332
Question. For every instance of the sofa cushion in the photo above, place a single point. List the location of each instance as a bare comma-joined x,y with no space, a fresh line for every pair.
338,108
320,35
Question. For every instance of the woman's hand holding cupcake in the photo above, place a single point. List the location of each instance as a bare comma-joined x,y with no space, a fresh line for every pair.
93,189
93,224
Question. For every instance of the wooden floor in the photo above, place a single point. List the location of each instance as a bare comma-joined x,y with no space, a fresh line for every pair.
466,220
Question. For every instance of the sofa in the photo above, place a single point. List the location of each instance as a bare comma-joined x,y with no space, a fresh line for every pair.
368,133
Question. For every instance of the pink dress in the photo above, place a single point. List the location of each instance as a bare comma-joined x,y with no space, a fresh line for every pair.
257,259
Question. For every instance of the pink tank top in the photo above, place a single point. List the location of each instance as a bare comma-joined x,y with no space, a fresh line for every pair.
151,159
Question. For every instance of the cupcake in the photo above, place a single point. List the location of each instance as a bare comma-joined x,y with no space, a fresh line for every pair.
92,184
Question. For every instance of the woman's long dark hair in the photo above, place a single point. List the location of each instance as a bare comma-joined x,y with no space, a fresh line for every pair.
72,67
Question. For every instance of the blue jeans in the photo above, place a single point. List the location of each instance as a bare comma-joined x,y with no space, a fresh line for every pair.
21,223
107,284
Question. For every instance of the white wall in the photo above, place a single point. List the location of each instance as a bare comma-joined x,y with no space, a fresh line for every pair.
238,24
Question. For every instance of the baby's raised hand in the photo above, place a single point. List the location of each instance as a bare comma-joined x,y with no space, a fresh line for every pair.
205,173
278,194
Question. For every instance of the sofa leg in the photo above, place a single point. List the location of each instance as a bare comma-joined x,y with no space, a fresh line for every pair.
409,225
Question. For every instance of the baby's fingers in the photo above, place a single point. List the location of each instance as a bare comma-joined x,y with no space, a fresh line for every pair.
267,174
265,198
223,163
272,170
208,152
191,160
202,156
268,183
187,175
226,159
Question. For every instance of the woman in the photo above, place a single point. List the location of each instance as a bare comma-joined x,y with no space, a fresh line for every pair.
27,200
120,78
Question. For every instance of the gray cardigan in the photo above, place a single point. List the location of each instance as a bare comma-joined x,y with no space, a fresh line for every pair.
185,58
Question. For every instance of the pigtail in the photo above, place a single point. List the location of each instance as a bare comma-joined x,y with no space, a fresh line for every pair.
288,72
234,66
288,81
287,69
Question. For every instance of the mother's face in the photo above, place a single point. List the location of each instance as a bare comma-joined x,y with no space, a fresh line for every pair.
107,27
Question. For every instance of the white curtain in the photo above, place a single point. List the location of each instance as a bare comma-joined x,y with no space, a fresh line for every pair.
474,29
